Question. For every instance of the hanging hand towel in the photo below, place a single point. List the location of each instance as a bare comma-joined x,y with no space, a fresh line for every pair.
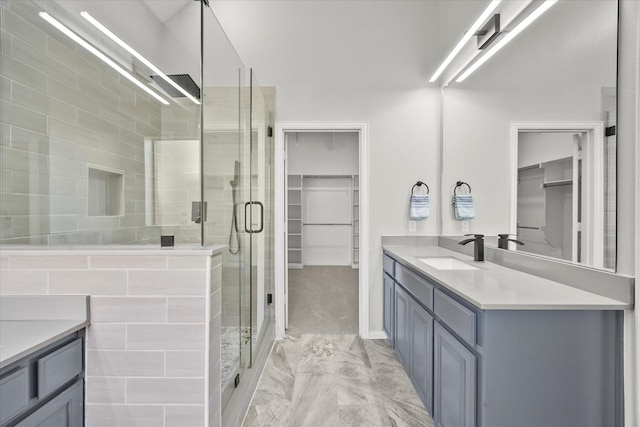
419,207
463,206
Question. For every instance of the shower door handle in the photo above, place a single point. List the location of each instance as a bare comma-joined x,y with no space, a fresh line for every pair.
250,229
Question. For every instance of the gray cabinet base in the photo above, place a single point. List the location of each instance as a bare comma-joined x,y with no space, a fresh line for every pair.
551,368
64,410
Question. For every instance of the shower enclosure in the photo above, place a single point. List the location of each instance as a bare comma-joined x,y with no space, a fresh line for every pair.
124,124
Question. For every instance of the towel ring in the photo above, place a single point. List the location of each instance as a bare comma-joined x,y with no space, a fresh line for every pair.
460,184
418,184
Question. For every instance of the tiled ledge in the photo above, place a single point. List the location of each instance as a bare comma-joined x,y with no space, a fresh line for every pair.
180,250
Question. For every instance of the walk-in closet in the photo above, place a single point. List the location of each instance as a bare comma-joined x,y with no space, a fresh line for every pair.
323,224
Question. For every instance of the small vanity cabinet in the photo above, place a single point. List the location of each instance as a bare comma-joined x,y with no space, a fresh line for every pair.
45,388
502,367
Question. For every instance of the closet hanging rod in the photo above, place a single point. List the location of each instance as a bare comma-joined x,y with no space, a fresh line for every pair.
527,227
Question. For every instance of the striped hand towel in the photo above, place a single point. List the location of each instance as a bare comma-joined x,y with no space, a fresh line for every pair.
419,207
463,206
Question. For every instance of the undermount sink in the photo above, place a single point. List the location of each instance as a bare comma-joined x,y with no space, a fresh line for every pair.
446,263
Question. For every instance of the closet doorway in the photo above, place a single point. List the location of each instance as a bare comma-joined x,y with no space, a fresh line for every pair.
322,232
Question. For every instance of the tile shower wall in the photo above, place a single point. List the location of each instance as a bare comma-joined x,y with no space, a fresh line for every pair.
65,111
153,347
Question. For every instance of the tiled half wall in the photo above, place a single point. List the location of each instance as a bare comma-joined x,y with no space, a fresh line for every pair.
153,346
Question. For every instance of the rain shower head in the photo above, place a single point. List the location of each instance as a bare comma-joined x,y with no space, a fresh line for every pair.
183,80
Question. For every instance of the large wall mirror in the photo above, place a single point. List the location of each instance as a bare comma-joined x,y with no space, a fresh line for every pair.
533,133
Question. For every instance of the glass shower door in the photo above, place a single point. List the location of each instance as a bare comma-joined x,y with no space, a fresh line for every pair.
224,192
262,243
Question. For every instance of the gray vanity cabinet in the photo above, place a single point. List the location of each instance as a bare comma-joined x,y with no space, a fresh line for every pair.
403,326
504,367
65,410
454,381
46,387
389,312
421,353
413,329
414,342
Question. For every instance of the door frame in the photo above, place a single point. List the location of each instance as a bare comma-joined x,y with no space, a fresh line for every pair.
281,128
593,180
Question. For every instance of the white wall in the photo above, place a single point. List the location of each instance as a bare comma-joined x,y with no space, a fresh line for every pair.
628,137
354,61
535,148
322,153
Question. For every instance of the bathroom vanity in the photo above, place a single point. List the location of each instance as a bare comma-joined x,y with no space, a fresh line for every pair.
42,360
489,346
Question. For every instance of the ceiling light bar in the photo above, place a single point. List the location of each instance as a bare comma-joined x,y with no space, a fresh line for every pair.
507,38
135,53
76,38
467,36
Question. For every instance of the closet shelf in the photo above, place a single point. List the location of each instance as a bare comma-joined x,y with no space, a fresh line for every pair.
529,227
326,223
557,183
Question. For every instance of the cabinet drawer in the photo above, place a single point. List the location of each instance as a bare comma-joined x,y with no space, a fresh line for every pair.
388,265
456,316
420,288
59,367
13,394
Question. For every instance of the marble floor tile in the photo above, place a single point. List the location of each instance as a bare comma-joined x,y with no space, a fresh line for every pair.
350,348
408,414
277,377
395,382
381,352
315,401
316,380
358,391
317,355
362,415
271,415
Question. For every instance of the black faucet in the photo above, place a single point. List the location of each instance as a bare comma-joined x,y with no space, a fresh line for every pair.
503,241
478,248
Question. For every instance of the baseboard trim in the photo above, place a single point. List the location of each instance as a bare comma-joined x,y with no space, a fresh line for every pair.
377,335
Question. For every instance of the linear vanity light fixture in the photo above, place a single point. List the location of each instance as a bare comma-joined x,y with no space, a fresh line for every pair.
135,53
82,42
465,38
507,38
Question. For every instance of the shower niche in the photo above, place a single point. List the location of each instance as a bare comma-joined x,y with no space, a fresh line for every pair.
105,192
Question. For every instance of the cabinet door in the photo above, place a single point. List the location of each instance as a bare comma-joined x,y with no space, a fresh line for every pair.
422,354
454,381
388,299
403,331
64,410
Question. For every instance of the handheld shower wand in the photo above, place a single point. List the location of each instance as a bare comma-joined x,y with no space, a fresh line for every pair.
234,216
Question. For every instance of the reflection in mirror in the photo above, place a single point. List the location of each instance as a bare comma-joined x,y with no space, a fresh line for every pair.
560,202
557,73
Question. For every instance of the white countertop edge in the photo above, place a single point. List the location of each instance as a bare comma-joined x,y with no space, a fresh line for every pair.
128,250
45,308
61,333
596,302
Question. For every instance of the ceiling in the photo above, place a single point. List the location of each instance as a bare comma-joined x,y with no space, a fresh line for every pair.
165,9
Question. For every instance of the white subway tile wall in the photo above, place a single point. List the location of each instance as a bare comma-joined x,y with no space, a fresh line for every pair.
153,347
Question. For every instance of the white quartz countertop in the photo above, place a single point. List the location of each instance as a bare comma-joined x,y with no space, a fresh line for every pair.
31,322
494,287
19,338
